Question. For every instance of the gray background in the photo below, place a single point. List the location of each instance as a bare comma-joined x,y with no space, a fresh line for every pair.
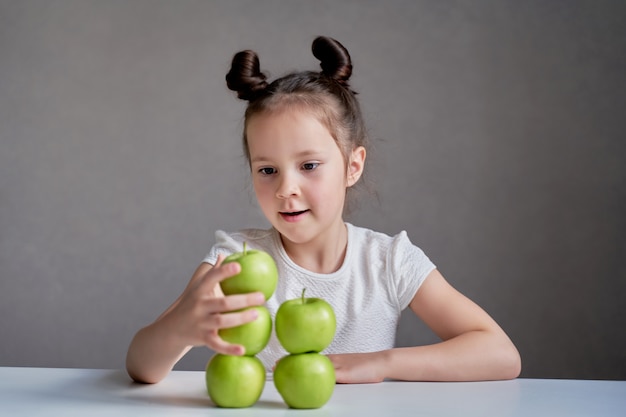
498,144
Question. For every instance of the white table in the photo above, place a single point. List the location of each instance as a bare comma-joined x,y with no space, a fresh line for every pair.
94,392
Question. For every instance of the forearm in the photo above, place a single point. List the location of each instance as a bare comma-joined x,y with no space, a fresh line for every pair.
472,356
153,353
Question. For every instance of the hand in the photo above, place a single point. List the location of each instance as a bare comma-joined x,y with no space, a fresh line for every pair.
202,309
358,368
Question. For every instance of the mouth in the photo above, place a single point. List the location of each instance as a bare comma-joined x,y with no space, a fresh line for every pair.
293,213
292,216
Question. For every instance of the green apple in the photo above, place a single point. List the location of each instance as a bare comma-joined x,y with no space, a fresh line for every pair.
235,381
305,324
253,335
305,380
258,273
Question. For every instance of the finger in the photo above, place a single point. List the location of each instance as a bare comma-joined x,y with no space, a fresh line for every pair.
215,342
220,259
219,273
235,302
228,320
336,361
220,346
342,377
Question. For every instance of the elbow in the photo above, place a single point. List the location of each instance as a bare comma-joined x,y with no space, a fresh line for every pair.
138,374
511,363
140,379
516,366
504,360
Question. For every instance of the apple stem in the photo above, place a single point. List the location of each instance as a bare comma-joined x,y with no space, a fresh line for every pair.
303,290
245,247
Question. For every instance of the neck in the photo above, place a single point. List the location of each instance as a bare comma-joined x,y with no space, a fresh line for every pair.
324,254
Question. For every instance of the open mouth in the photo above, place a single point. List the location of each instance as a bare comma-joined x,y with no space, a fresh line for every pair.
292,213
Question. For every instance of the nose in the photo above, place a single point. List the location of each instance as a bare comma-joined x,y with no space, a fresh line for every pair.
287,187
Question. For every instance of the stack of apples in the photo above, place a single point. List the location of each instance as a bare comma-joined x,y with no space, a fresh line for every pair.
304,327
238,381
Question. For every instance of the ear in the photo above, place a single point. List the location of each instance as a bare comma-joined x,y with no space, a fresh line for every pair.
355,165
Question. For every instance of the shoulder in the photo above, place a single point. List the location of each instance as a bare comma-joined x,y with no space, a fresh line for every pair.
394,260
231,242
371,240
398,255
250,236
404,265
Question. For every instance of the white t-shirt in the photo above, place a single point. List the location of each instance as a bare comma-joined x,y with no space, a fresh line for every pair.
378,279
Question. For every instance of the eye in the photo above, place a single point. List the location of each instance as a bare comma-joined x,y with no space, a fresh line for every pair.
310,166
267,171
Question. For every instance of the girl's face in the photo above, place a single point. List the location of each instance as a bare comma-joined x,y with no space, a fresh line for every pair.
299,174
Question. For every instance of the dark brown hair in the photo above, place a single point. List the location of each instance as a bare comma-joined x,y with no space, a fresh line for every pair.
326,94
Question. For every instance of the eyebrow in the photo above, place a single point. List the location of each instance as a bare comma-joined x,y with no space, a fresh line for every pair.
302,154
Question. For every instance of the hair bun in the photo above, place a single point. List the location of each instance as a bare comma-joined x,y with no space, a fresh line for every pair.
245,76
334,59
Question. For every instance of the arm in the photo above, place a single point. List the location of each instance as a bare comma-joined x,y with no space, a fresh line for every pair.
192,320
473,346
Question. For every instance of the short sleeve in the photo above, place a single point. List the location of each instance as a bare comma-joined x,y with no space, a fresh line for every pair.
410,266
225,244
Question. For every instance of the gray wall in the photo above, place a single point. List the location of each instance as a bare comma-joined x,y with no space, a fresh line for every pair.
498,144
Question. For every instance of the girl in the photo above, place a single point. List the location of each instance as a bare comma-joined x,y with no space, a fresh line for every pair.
304,139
